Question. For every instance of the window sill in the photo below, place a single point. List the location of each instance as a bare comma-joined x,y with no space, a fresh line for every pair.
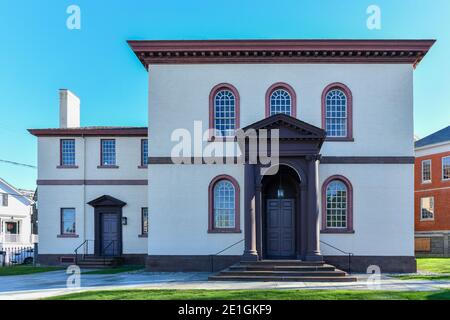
143,236
224,231
143,167
67,236
337,231
108,167
66,167
426,220
426,182
343,139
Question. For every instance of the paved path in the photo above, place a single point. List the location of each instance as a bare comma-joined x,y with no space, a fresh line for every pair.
49,284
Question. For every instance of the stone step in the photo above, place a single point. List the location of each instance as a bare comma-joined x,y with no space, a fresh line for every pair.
99,259
98,262
283,270
336,273
241,267
282,278
283,263
94,263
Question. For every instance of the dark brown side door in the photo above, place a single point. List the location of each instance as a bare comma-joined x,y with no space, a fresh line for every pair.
280,232
110,234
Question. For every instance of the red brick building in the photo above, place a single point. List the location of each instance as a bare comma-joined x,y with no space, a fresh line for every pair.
432,194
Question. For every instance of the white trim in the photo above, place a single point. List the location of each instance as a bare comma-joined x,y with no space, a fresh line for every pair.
437,233
421,170
434,189
442,168
421,217
429,146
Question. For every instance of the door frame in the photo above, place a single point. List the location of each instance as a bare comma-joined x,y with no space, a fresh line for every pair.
101,205
294,232
300,210
99,232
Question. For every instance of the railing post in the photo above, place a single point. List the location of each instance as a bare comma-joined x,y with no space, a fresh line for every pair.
35,253
349,263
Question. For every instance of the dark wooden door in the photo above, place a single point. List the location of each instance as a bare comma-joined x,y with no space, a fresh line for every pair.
280,228
109,234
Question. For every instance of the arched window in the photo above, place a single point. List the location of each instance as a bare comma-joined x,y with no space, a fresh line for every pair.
280,98
337,112
337,206
224,196
224,205
224,110
280,102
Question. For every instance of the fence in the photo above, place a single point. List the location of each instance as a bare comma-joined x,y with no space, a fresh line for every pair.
18,239
11,256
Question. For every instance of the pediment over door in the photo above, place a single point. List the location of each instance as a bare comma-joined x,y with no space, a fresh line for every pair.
107,201
297,138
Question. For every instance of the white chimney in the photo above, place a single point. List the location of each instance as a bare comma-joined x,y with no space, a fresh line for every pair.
69,109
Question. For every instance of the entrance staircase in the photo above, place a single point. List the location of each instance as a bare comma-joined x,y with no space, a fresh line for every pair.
283,270
99,262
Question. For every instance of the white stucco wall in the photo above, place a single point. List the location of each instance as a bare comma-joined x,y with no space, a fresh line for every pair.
128,158
383,210
382,126
382,101
53,198
178,210
178,194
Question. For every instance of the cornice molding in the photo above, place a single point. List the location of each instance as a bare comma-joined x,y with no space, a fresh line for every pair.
151,52
73,132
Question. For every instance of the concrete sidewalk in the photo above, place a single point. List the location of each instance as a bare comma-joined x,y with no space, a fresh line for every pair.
37,286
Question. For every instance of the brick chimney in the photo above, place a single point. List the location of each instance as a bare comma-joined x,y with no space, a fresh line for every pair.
69,109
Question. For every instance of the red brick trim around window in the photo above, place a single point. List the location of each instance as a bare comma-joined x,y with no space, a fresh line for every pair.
348,94
237,227
349,186
289,89
212,112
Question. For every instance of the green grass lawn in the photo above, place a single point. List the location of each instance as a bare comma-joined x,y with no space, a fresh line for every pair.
115,270
20,270
422,277
435,265
138,294
439,269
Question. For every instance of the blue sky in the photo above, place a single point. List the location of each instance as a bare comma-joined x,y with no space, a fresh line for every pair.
40,55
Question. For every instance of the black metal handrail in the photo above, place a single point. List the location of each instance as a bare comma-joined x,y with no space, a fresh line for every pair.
349,254
106,247
223,250
85,246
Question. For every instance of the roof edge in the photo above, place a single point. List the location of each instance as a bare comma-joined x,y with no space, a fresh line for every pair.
19,194
124,132
280,51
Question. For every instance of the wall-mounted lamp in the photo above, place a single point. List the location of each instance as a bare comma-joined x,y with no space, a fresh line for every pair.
124,221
